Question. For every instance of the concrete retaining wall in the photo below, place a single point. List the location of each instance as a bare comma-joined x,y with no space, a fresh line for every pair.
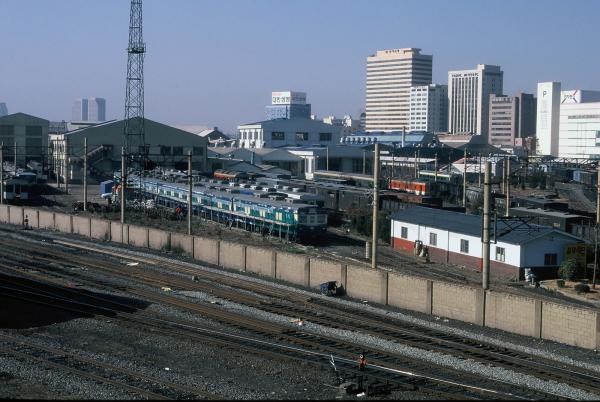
261,261
100,229
116,232
15,215
325,271
81,226
293,268
232,255
182,243
159,239
138,236
4,218
63,223
367,284
206,250
410,292
46,219
574,326
511,313
458,302
33,217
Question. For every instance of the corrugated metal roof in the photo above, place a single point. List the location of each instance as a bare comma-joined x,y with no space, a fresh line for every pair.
471,225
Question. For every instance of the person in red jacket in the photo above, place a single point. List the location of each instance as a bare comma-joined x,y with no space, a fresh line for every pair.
362,362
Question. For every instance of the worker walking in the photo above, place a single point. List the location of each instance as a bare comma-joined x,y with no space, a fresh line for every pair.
362,362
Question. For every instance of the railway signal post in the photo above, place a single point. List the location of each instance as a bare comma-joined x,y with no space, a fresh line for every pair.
486,226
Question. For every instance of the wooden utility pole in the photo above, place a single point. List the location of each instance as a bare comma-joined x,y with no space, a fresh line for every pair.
507,188
123,184
190,186
486,227
464,194
2,174
85,167
375,206
596,229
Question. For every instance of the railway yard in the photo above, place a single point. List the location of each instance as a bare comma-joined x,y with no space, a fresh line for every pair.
94,320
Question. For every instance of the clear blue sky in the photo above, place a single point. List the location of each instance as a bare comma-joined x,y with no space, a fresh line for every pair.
216,62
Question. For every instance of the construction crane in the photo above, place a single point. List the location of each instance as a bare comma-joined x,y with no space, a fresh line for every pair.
134,135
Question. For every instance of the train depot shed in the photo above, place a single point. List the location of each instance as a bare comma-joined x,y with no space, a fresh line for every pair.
455,238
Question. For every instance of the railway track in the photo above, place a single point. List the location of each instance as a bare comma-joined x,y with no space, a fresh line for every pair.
384,369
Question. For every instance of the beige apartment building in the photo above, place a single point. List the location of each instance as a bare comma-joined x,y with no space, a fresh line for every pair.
390,75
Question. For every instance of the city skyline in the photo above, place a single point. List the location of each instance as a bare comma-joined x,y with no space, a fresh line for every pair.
212,75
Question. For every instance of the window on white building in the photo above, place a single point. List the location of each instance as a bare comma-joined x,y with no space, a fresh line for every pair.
404,232
500,254
464,246
433,239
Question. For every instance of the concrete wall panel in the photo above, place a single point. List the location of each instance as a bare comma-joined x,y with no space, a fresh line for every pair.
409,292
116,232
32,217
46,220
138,236
16,215
63,223
367,284
520,315
4,218
574,326
293,268
81,225
158,239
325,271
206,250
261,261
182,243
100,229
458,302
232,255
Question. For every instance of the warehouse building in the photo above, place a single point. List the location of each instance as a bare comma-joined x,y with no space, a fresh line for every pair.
167,147
455,238
28,133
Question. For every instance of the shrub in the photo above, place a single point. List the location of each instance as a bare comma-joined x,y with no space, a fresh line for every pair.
568,269
582,288
560,283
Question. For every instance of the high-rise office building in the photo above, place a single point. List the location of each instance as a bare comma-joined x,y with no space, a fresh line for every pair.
288,105
511,117
80,110
468,98
547,121
3,109
429,108
89,109
390,75
96,109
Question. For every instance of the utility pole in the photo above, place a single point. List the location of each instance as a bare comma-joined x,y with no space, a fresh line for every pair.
486,226
189,193
57,166
375,206
123,184
364,162
327,156
2,174
15,158
85,156
435,168
415,164
507,187
66,163
464,194
479,175
596,229
393,160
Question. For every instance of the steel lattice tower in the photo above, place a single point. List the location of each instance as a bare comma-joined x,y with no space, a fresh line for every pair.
134,141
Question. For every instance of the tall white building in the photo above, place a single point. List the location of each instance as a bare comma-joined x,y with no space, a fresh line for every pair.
579,130
3,109
96,109
429,108
89,109
390,74
469,96
80,110
547,121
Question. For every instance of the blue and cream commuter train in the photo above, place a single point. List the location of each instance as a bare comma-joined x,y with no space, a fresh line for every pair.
258,209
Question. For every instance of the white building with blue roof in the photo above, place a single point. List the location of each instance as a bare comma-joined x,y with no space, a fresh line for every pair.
456,238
